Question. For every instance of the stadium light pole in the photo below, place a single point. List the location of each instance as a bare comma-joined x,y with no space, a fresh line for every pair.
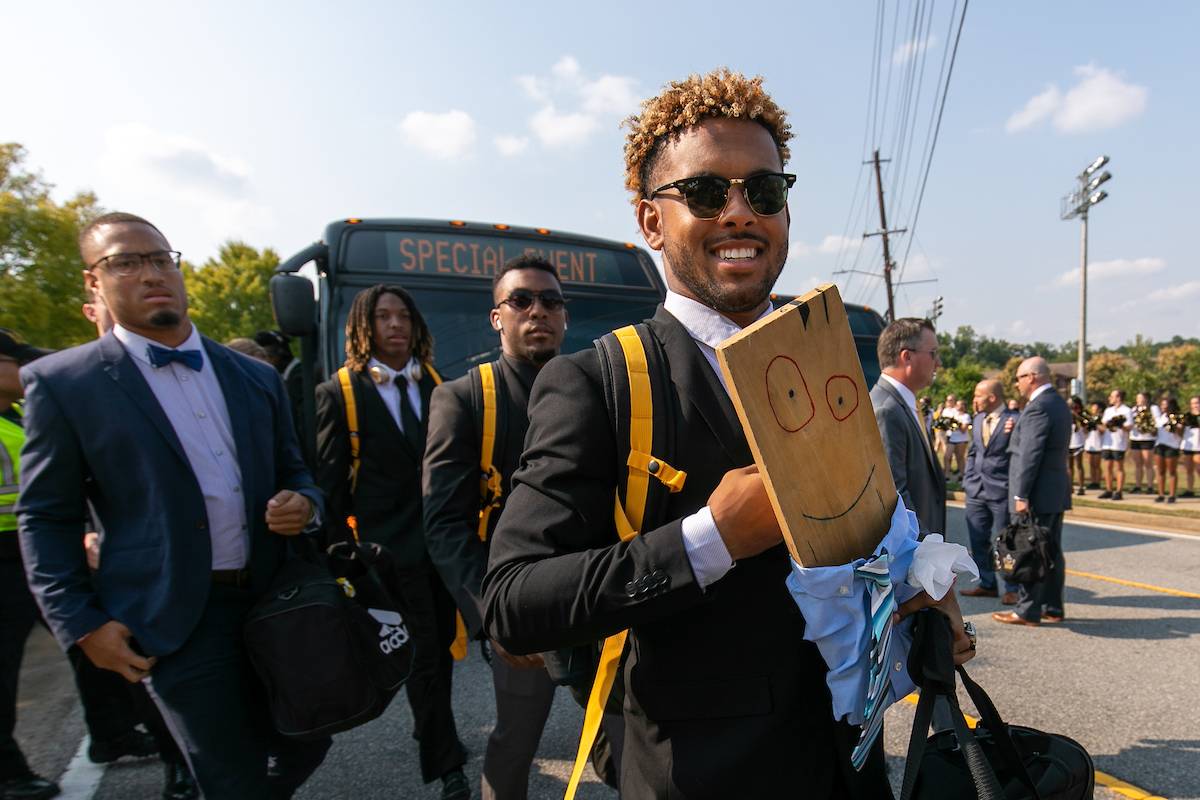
1087,194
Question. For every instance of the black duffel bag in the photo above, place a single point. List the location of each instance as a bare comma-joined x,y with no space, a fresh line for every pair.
996,761
329,640
1021,552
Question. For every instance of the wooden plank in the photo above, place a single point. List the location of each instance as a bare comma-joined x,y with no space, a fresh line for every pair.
798,387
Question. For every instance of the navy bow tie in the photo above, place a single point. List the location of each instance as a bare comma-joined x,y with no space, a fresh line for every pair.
162,356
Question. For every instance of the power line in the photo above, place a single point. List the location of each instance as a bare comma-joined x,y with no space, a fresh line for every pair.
933,145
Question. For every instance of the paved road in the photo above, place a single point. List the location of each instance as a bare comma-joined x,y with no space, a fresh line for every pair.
1120,675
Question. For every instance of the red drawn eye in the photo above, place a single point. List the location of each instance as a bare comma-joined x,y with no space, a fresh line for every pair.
841,393
790,399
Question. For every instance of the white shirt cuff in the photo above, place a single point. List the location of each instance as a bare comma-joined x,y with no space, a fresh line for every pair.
705,549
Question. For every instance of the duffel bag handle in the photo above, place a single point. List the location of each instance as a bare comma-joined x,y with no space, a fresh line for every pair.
930,662
999,730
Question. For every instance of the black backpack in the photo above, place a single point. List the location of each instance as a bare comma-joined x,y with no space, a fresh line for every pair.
329,640
996,761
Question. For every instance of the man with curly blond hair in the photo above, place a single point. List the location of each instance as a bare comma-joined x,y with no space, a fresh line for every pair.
724,697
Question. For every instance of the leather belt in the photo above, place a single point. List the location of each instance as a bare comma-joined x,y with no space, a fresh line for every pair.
239,578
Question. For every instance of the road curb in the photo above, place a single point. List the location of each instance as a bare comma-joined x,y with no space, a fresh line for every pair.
1133,519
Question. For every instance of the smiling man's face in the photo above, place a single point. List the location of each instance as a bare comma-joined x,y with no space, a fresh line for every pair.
728,263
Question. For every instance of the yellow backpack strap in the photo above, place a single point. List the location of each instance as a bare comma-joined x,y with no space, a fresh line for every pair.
491,487
351,424
433,373
628,517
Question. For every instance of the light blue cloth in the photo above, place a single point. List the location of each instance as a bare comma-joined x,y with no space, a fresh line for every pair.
837,615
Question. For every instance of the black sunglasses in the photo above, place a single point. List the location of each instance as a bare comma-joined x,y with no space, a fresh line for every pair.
707,195
522,300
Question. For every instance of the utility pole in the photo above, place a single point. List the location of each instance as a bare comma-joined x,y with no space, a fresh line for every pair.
887,252
888,264
1077,204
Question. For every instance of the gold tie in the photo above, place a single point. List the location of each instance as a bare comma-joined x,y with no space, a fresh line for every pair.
988,421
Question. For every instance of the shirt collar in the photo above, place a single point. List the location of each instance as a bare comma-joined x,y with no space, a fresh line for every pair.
704,324
904,391
1039,390
136,345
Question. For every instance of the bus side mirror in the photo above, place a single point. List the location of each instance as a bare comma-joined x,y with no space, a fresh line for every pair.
294,305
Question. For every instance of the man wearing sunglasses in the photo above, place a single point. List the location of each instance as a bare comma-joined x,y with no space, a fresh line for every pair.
723,695
530,316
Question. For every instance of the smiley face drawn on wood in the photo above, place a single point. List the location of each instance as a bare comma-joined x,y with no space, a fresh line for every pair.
799,390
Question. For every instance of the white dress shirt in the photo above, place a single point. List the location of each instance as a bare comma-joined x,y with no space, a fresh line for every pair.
389,391
195,406
702,541
909,398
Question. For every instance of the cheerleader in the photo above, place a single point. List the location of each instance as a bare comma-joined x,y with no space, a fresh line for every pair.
1190,451
1166,450
1075,448
1093,442
1116,422
1142,440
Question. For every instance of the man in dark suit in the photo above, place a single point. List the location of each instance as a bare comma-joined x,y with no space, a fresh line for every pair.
389,355
723,695
531,318
1040,485
908,356
985,482
194,521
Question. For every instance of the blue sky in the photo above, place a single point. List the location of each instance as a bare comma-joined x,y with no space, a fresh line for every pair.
247,120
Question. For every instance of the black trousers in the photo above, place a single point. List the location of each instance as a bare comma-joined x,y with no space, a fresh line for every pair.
216,710
431,617
105,696
1046,596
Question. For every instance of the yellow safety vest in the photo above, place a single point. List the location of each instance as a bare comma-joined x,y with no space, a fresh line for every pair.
12,437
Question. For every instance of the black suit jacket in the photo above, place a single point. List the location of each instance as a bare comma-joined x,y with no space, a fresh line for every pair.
916,471
96,434
1037,468
452,475
387,500
724,698
986,473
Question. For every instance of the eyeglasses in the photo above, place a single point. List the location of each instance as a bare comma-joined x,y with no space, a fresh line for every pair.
707,195
1025,375
522,300
932,354
123,265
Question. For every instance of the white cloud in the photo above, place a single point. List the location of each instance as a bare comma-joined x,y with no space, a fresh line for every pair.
511,145
446,135
1019,330
561,130
1100,100
833,244
1116,268
1184,291
1039,107
191,188
912,48
573,106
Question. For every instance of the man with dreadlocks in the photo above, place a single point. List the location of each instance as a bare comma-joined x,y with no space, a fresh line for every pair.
724,697
389,366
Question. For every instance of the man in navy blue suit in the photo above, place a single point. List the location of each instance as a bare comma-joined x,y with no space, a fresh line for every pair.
186,452
985,482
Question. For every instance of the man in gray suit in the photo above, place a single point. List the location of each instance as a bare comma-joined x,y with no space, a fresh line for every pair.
985,482
908,356
1040,485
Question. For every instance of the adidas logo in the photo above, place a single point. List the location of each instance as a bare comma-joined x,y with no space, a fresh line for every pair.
392,632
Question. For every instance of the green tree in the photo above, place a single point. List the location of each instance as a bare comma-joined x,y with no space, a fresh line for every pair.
1178,369
228,296
1105,372
41,288
958,380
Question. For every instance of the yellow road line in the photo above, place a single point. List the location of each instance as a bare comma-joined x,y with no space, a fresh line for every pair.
1135,584
1103,778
